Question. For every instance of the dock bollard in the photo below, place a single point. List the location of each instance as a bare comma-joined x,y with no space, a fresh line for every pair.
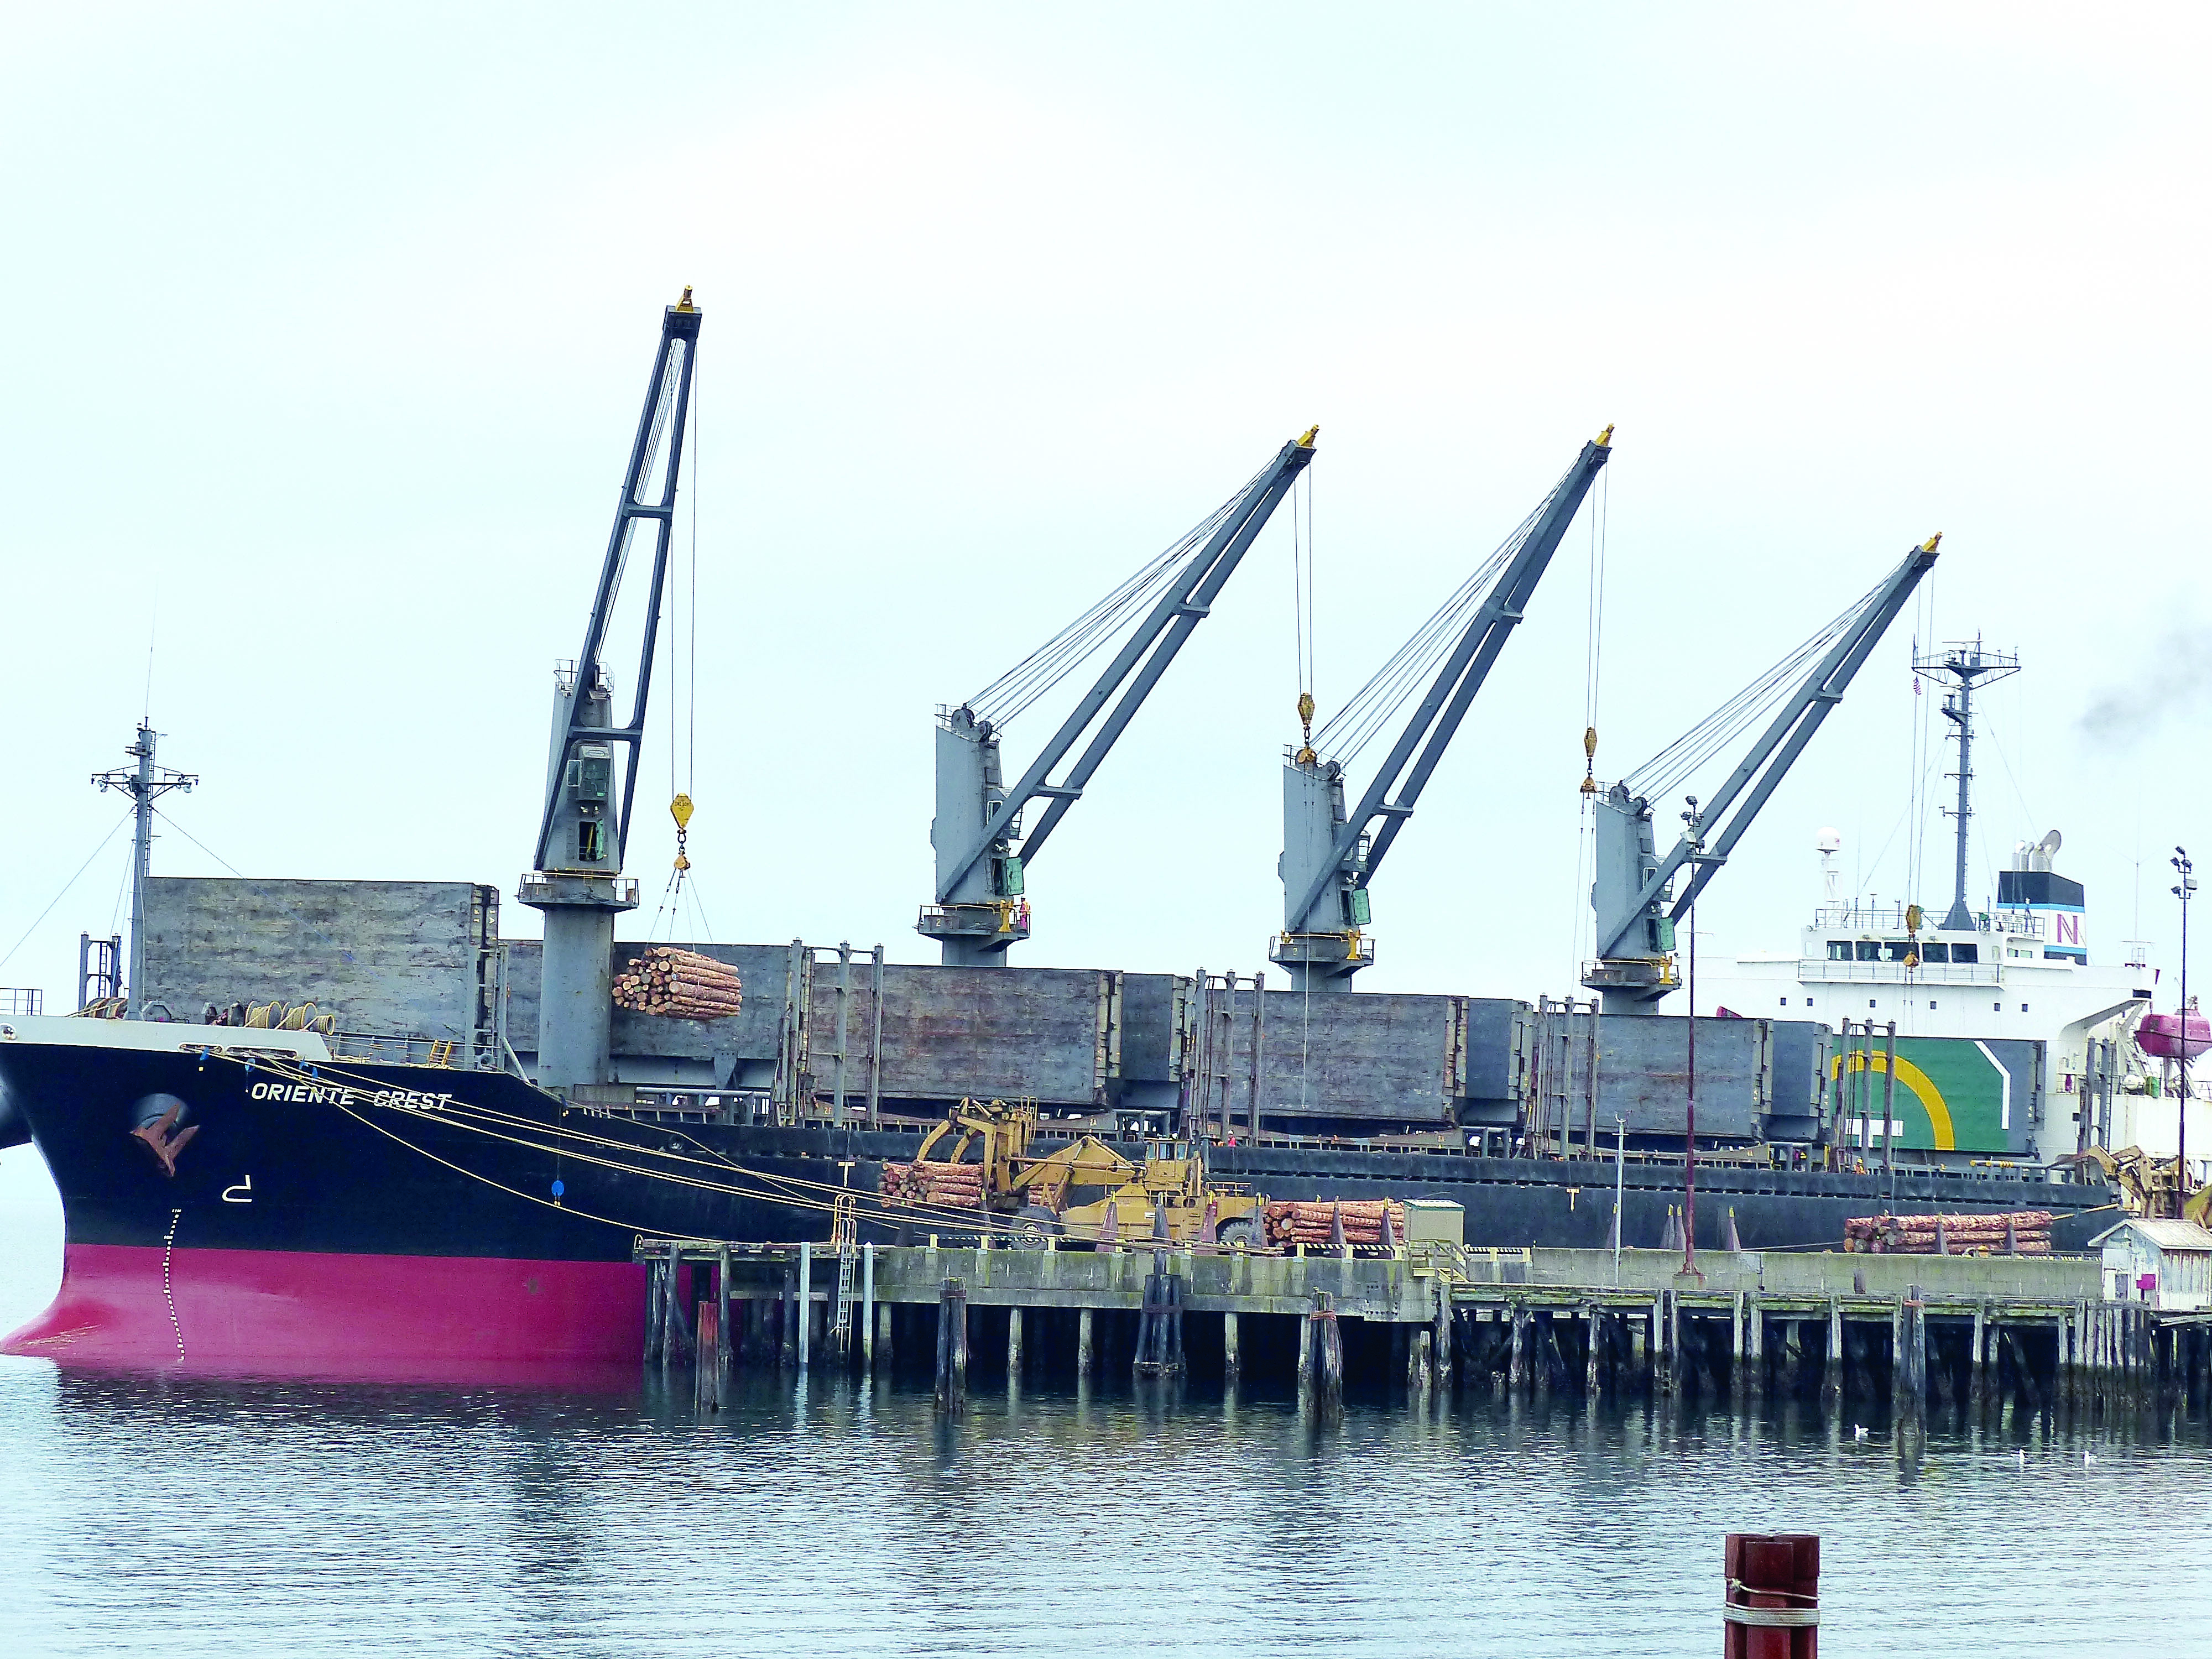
1771,1606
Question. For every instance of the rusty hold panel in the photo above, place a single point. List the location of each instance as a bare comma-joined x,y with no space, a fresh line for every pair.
1013,1033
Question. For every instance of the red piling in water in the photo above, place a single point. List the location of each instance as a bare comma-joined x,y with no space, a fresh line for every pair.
1773,1597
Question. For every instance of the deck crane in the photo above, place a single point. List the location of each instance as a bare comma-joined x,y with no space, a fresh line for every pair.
1329,856
1636,915
978,909
576,878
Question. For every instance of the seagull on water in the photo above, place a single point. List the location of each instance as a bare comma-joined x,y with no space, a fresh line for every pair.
1859,1431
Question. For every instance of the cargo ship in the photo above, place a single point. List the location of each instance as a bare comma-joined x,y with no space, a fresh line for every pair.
349,1123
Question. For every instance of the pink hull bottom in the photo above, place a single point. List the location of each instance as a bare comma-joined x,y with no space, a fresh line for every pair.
304,1312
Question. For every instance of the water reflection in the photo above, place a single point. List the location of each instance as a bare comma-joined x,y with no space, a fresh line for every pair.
822,1514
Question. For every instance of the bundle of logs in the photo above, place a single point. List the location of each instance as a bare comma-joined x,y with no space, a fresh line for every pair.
679,985
2013,1232
1369,1222
925,1181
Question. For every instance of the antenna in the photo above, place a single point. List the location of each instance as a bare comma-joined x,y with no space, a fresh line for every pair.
1961,664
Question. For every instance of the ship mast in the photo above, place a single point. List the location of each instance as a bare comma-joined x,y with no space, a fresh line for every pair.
144,783
1960,666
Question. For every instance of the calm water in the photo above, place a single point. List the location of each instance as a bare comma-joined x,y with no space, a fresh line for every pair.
186,1516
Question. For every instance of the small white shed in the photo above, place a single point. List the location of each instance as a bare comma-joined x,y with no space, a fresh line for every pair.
2167,1264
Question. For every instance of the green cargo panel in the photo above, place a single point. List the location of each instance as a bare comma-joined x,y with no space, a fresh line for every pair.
1954,1094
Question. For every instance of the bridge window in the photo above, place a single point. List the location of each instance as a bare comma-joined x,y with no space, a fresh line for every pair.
1965,953
1839,949
1869,949
1934,952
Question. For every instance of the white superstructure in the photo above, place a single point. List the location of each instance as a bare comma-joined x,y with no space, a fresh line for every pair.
2023,970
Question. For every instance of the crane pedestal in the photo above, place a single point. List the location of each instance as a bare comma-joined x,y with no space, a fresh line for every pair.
1322,962
575,1002
1631,985
974,935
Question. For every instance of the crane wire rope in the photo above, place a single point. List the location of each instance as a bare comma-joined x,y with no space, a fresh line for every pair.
1674,764
1583,920
1370,708
684,680
1921,747
1036,674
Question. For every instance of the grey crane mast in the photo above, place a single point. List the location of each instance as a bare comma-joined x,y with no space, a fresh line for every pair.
980,909
1329,855
576,877
1633,894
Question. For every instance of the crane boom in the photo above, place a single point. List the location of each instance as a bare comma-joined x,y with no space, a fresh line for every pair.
582,833
1323,910
980,872
1633,937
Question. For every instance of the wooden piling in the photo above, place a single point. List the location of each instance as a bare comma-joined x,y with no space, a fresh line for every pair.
1328,1385
1517,1375
952,1348
1308,1329
1232,1361
1739,1380
723,1342
1444,1321
1832,1370
1013,1343
1591,1352
1159,1326
1757,1317
1418,1373
676,1339
1084,1352
867,1310
1908,1360
656,1310
805,1300
706,1376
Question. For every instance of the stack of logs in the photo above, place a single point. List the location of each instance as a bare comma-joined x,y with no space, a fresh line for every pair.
1289,1222
679,985
2014,1232
925,1181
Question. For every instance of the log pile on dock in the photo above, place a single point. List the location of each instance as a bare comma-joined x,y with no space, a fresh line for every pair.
925,1181
1292,1222
679,985
2000,1232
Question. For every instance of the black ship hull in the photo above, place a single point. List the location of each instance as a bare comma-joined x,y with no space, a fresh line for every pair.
263,1212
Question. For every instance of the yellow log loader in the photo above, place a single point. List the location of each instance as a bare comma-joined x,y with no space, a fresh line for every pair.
1086,1192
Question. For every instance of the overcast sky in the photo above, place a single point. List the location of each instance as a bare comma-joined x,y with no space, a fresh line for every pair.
327,327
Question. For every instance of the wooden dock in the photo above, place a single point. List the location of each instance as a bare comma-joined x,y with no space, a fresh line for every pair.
1919,1331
